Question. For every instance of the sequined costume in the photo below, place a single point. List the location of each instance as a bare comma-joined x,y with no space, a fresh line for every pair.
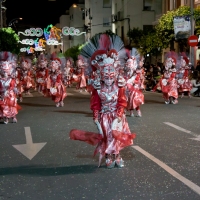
57,88
82,84
108,101
168,82
68,72
8,90
26,76
42,75
184,83
134,83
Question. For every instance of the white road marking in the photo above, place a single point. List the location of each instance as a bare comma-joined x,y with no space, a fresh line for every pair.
29,149
197,137
175,174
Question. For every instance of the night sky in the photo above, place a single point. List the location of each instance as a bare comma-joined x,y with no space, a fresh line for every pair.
39,13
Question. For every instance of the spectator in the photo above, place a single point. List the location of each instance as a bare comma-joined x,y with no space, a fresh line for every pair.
198,67
195,84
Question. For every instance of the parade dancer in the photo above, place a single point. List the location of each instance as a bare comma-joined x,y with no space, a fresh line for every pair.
184,82
18,79
68,72
108,102
82,79
26,77
168,82
8,90
42,75
135,82
57,88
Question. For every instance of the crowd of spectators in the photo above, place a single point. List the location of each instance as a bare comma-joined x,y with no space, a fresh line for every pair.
153,74
155,71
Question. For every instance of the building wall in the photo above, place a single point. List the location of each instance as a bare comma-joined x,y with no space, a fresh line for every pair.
140,14
101,15
64,21
77,21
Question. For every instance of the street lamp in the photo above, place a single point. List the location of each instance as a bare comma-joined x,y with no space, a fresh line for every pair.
2,8
13,21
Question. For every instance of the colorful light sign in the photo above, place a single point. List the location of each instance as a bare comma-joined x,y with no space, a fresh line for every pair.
27,41
71,31
51,34
32,32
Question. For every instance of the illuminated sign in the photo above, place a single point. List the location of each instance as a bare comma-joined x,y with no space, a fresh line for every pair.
38,32
71,31
51,34
27,41
31,49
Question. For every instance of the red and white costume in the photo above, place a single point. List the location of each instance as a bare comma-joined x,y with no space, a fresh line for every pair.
57,88
108,102
184,83
82,84
135,83
168,82
8,90
68,72
25,75
42,75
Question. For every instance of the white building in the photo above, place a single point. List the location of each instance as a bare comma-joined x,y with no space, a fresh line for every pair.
98,15
128,14
64,21
77,21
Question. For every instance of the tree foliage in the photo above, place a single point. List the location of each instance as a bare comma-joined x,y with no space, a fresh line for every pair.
73,52
145,41
9,40
135,36
165,26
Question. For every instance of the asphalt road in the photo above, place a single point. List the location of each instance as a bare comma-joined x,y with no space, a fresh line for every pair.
38,161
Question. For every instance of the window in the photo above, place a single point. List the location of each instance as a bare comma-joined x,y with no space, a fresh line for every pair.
83,16
106,3
106,22
147,4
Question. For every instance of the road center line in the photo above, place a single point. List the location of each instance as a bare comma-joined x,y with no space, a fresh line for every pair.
184,180
181,129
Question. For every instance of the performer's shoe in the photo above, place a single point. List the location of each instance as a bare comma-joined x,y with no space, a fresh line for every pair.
131,113
61,104
182,95
20,99
139,114
119,162
175,101
14,120
57,105
6,120
167,102
110,163
189,95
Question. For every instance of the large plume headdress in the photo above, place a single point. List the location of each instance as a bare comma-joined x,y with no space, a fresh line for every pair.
102,46
173,55
7,58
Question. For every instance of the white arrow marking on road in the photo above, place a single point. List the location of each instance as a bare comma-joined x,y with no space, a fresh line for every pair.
175,174
29,149
197,137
